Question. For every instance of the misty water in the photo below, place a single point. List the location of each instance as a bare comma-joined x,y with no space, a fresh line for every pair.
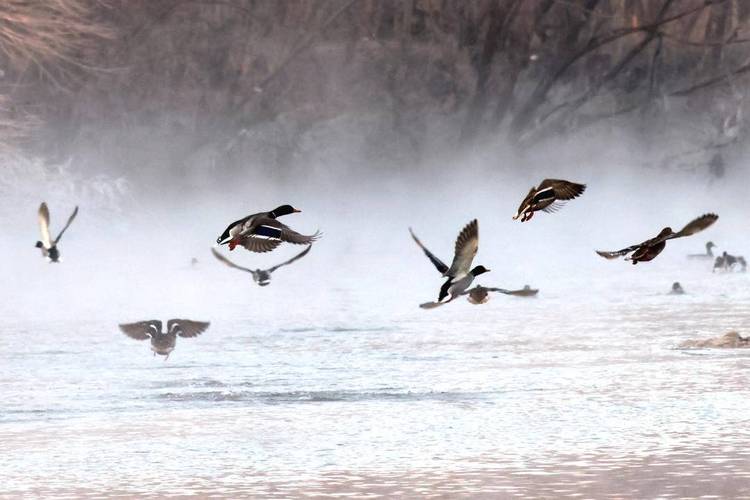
332,381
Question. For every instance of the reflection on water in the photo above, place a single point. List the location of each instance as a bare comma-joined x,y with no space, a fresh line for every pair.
568,395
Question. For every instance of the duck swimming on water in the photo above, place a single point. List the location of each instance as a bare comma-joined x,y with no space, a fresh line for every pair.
261,232
460,274
549,197
163,343
47,245
649,249
261,276
708,255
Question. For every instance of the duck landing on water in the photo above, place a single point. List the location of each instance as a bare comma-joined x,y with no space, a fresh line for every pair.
163,343
726,262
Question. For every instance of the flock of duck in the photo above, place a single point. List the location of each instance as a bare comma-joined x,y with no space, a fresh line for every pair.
262,232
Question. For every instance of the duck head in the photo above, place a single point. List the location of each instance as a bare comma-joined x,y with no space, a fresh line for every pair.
667,231
39,244
479,270
710,245
282,210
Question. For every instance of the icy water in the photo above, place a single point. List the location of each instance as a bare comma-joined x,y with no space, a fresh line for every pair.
302,391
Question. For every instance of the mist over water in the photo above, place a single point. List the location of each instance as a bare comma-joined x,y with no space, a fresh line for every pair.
332,380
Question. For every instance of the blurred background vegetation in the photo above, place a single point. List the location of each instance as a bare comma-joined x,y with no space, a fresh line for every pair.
172,86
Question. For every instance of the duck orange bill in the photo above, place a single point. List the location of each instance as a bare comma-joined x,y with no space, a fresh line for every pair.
268,231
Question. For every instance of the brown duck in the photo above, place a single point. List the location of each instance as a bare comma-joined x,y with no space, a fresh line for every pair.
649,249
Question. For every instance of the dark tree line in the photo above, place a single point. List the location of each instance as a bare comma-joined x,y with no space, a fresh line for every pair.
241,76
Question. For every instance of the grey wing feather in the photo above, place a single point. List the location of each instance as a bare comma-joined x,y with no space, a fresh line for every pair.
229,263
439,264
296,238
186,328
554,207
258,244
44,225
296,257
141,330
467,245
695,226
67,224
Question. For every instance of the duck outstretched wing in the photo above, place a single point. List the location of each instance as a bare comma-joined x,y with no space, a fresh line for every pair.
259,245
441,266
564,190
186,327
694,226
141,330
228,262
617,253
44,225
286,263
67,224
467,245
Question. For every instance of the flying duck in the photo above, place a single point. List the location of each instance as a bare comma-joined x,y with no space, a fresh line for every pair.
47,245
649,249
459,274
708,255
261,232
260,276
163,343
549,197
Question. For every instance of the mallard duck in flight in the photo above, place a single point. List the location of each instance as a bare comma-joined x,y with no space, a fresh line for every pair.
261,232
260,276
163,343
47,245
550,196
649,249
459,274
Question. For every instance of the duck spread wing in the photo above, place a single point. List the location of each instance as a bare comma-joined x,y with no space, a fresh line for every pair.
294,237
286,263
44,225
186,328
439,264
695,226
259,245
617,253
141,330
228,262
564,190
467,245
67,224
